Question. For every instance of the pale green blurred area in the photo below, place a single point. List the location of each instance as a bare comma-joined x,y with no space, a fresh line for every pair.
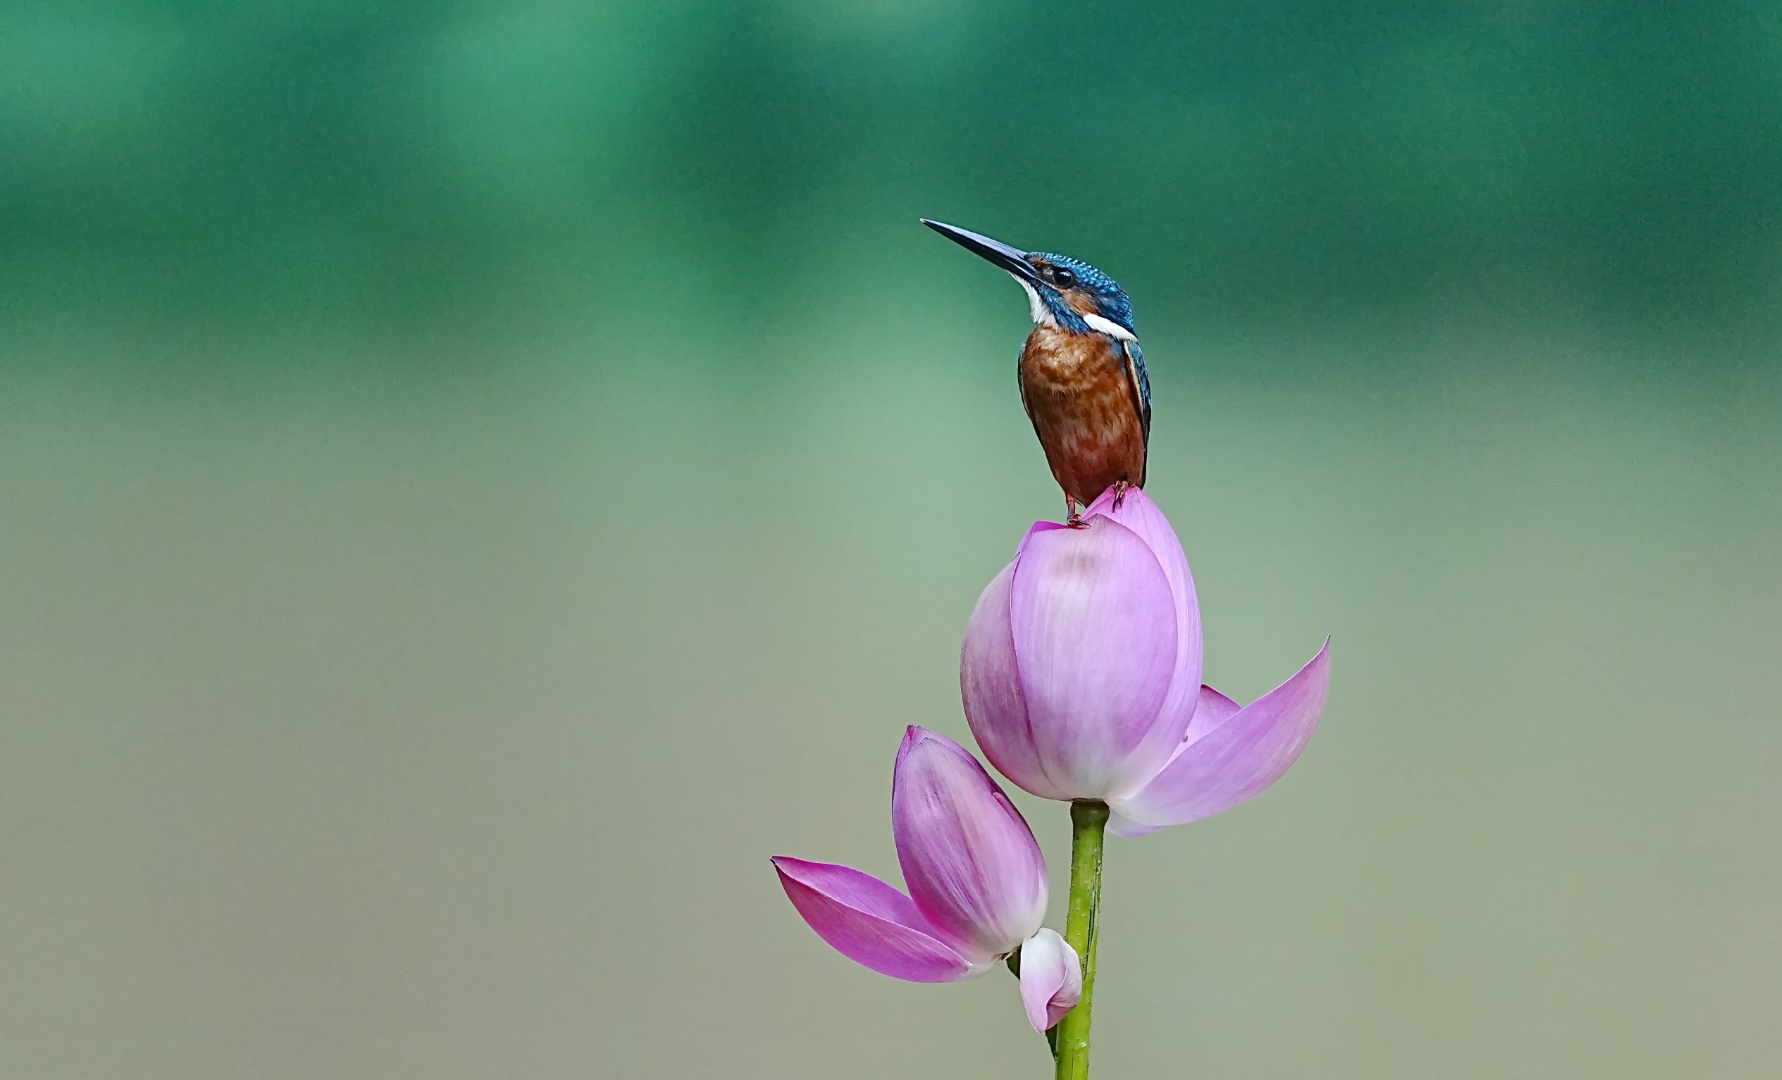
478,479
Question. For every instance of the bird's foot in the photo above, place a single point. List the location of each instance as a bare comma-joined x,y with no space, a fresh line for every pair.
1121,487
1072,519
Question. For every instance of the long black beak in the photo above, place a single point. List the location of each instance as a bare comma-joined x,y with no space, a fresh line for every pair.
1014,260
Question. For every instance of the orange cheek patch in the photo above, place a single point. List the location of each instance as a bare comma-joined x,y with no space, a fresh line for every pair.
1080,302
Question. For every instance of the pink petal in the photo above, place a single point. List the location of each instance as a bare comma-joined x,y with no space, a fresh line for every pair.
972,866
1214,709
1121,825
990,684
1093,623
1051,979
1137,512
869,922
1238,758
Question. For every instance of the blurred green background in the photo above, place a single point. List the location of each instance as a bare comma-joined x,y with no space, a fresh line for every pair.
476,479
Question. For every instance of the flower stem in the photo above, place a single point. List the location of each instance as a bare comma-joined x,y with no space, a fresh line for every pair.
1089,819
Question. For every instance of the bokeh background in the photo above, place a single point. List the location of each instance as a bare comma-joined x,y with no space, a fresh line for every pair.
477,478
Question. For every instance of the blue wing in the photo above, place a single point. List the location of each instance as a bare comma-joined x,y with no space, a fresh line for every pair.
1139,382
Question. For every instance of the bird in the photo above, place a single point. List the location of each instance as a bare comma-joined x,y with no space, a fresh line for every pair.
1081,372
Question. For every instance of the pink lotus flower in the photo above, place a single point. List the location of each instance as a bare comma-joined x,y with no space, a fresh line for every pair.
1081,677
977,886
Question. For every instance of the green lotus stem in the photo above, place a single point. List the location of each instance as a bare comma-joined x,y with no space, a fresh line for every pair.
1089,820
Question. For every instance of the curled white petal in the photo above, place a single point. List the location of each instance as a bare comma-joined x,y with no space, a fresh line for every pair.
1051,979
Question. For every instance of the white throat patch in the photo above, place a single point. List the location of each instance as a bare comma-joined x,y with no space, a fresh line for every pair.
1041,313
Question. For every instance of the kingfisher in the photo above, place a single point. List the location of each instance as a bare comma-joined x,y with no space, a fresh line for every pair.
1081,372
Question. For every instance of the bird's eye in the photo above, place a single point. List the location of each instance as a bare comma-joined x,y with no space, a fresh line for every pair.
1063,278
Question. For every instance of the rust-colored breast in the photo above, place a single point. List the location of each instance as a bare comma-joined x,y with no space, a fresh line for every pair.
1084,410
